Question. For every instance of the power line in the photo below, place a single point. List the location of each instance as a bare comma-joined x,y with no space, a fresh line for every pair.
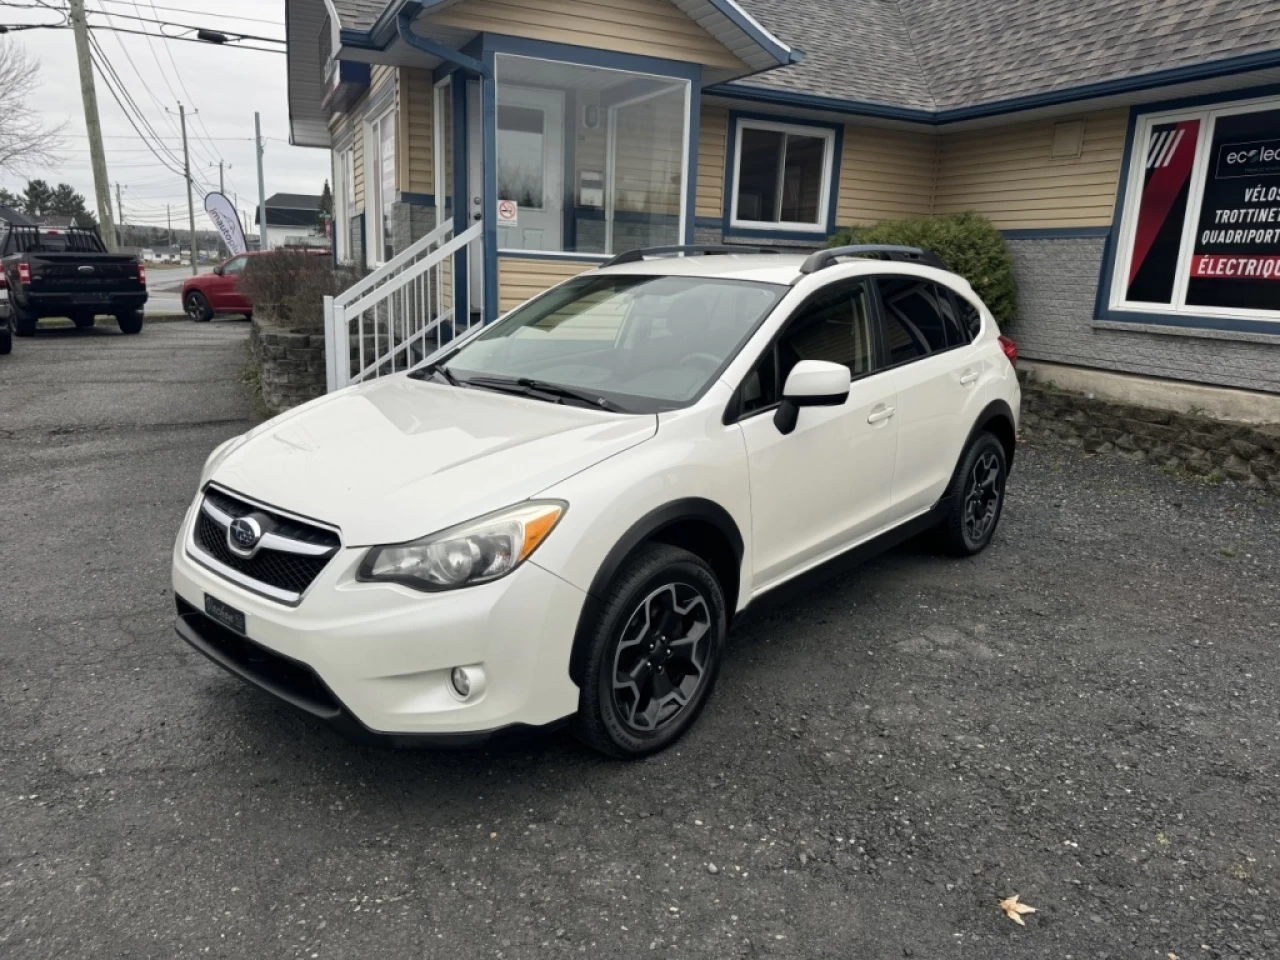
199,13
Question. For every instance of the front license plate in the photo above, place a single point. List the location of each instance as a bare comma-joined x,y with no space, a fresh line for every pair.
225,614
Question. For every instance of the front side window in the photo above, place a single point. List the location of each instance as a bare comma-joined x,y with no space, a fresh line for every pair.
589,160
1200,232
783,176
235,266
647,343
835,326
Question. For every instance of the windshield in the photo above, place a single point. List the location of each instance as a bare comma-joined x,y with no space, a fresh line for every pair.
643,343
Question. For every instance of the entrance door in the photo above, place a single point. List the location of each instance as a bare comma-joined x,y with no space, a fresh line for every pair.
530,167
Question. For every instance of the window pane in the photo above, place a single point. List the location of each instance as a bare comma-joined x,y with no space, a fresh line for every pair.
1162,210
836,327
759,168
1236,259
970,317
521,155
387,134
593,158
802,179
957,335
913,323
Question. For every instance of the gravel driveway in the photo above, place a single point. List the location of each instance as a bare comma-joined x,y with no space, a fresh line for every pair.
1087,716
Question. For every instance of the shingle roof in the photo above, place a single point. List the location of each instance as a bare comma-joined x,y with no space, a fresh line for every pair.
944,54
359,14
294,201
936,55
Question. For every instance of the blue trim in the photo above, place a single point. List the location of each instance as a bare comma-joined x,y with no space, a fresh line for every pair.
489,170
569,222
1057,233
1209,99
588,56
1160,78
404,27
560,257
421,199
461,196
709,223
731,181
694,121
1187,322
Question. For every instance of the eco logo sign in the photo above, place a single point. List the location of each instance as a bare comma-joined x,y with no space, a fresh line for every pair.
1259,158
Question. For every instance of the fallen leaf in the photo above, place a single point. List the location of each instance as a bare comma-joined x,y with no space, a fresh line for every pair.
1172,956
1014,910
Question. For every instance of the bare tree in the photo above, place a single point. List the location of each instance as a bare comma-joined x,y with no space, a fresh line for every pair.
26,140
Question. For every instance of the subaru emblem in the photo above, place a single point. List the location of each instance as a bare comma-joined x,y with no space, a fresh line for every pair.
243,536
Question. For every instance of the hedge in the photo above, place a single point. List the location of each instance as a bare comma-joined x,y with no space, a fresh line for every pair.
969,244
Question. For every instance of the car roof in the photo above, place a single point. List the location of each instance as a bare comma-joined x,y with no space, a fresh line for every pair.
777,268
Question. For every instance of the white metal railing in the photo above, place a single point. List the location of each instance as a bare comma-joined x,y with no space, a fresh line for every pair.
393,319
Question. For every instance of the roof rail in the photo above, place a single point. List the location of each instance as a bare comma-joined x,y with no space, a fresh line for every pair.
828,258
684,250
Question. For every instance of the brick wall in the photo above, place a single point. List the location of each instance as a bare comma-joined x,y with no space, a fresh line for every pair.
1057,284
291,367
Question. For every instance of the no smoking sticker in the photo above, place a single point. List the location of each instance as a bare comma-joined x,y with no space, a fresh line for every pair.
508,213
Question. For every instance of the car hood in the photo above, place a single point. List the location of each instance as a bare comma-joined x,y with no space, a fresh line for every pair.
399,458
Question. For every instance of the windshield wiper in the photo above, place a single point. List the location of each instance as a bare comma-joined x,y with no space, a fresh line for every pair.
437,369
529,388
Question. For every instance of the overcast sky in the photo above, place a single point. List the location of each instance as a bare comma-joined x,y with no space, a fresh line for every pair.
223,84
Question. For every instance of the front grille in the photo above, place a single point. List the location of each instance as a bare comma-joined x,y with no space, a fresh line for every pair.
267,669
290,571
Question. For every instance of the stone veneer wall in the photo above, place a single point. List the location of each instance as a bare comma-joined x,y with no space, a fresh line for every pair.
290,366
1057,285
1247,454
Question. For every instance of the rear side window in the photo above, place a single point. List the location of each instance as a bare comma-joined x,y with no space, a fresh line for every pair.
921,318
970,317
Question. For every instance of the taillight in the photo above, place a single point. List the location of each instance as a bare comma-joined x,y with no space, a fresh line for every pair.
24,273
142,275
1010,349
4,281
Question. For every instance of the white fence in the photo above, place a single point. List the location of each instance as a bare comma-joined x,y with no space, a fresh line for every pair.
396,317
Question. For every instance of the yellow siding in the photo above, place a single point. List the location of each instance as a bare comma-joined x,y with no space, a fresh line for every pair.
1008,174
885,175
357,144
712,142
518,279
414,132
651,28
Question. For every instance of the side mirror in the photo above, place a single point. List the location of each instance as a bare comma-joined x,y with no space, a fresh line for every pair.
811,383
218,270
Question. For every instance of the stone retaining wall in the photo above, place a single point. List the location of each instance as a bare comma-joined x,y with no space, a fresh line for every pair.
291,368
1247,454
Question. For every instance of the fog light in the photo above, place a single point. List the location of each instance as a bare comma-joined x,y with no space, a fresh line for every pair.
461,683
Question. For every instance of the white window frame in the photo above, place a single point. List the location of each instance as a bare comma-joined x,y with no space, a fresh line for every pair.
828,177
375,227
442,94
1207,116
344,205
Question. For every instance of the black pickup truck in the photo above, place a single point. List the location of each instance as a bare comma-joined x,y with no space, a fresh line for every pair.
67,272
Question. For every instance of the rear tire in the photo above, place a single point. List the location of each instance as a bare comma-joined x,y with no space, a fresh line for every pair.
6,337
662,629
976,497
130,322
198,308
24,324
83,320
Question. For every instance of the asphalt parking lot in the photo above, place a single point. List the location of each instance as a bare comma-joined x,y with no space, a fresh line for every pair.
1087,716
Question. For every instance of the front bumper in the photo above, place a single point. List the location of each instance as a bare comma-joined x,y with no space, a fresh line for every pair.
374,660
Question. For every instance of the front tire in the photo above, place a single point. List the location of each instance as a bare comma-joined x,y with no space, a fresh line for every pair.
6,337
654,655
976,497
198,308
130,322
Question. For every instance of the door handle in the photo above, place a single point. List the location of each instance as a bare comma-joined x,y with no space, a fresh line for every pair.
968,378
880,414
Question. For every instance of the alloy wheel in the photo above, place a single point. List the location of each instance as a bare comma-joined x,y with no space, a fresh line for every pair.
661,660
983,491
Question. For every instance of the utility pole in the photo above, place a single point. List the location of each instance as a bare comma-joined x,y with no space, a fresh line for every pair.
102,186
169,209
120,213
262,185
191,204
222,184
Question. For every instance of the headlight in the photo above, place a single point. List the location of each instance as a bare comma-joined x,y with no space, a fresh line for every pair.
475,552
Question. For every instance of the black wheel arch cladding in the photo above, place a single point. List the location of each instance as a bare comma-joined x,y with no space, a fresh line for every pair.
670,523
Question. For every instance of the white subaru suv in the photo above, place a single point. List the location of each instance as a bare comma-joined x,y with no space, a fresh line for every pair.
557,517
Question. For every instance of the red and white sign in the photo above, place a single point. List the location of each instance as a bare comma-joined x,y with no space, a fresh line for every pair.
508,213
1236,267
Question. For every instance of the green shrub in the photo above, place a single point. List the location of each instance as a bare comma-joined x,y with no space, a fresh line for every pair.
969,244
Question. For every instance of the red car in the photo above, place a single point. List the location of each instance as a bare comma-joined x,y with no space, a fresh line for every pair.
219,291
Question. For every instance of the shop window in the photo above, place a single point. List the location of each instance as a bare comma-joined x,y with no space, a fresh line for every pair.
783,176
1200,232
589,160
